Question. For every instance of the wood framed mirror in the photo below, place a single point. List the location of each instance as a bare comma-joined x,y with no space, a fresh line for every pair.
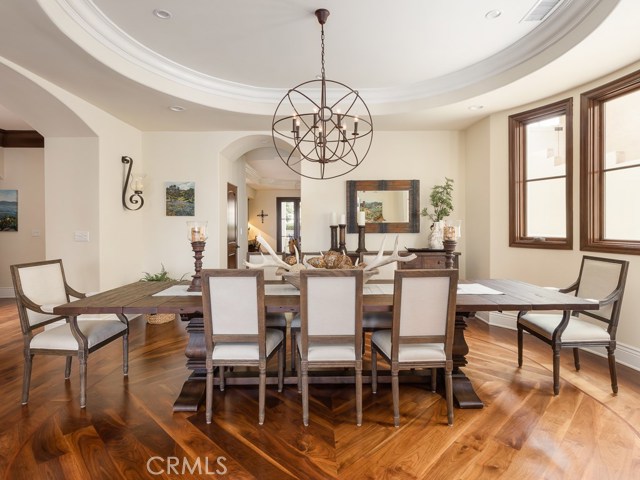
390,206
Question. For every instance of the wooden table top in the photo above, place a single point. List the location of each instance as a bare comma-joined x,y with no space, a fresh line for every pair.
137,298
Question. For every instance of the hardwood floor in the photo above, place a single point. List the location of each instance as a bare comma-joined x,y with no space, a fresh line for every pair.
128,429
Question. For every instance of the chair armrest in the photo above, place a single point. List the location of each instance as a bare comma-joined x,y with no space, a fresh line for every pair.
571,288
612,297
48,308
74,293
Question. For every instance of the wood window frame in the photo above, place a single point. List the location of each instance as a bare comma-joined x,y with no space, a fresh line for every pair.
517,176
592,158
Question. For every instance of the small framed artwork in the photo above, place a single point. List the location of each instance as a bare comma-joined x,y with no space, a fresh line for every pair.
180,197
8,210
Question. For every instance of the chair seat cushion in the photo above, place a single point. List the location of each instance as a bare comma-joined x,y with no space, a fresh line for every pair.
275,320
61,338
414,352
327,352
577,330
247,350
377,320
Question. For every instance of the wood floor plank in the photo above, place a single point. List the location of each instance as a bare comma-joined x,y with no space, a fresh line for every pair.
523,431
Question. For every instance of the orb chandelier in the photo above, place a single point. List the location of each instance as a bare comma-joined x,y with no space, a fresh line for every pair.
327,123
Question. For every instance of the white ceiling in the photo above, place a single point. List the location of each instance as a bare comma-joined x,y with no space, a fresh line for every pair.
418,64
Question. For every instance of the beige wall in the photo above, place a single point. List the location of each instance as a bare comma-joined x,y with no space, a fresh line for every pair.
266,200
23,171
544,267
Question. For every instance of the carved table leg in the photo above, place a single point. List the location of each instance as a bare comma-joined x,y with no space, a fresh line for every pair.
463,393
192,392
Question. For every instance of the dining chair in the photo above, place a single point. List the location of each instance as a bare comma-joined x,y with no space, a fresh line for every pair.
331,328
235,330
41,286
424,307
600,279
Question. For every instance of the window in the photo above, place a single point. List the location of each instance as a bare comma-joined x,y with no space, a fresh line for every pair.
540,177
610,167
288,209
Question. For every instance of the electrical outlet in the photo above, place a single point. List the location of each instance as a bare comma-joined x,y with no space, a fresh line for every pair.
35,232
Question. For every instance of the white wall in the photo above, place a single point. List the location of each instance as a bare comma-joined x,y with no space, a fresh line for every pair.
543,267
23,171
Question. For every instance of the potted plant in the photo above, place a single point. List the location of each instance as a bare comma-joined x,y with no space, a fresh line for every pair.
161,276
441,199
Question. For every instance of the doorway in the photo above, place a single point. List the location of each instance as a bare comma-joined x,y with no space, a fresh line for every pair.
232,226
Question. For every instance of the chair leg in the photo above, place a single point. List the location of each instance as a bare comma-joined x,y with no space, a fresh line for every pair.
359,393
262,392
612,368
67,367
304,367
374,370
576,358
221,375
520,341
448,386
299,372
209,394
556,369
294,350
434,372
282,353
82,359
26,377
395,391
125,354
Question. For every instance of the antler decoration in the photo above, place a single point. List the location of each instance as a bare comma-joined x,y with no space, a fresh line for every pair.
380,260
273,260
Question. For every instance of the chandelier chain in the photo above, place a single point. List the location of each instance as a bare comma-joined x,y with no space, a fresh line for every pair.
322,50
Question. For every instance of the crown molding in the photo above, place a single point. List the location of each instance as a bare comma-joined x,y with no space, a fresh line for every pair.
258,182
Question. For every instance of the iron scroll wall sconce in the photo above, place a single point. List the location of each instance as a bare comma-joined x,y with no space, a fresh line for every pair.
136,186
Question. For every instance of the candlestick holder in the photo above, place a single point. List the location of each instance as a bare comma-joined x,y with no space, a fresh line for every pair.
342,246
361,247
196,282
334,237
449,247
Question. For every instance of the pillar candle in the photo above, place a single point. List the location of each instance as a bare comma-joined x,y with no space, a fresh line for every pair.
343,219
361,218
334,218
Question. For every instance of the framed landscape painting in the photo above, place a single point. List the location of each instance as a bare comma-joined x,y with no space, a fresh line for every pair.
8,210
180,199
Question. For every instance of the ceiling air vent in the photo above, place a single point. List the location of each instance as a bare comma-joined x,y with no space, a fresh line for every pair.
541,10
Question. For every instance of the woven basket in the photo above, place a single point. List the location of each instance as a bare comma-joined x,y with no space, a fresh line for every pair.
158,318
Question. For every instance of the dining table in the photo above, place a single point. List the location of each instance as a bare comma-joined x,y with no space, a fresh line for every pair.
481,295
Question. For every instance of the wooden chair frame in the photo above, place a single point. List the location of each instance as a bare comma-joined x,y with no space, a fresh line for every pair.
211,338
396,340
24,303
556,343
304,364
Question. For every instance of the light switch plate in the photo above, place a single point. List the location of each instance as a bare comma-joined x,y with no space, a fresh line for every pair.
81,236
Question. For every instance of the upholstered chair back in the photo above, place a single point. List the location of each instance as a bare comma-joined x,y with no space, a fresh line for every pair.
43,284
385,272
599,277
330,301
233,301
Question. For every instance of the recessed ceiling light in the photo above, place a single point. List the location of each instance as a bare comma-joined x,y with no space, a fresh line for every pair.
177,108
475,107
492,14
163,14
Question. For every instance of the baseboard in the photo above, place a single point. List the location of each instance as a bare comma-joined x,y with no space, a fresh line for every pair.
625,354
6,292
